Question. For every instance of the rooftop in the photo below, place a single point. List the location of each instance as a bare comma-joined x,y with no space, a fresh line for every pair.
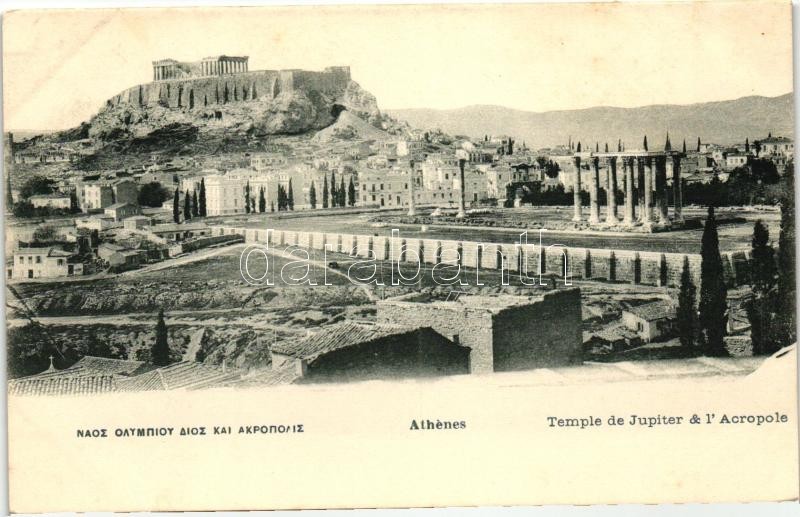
653,311
338,336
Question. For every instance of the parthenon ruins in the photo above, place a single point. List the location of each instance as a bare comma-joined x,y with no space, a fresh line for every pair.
644,183
165,69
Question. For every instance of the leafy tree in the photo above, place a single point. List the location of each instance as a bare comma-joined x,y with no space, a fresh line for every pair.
36,185
761,306
247,197
312,195
187,206
195,204
325,192
45,233
202,198
262,201
290,196
687,310
152,194
713,292
351,193
176,211
159,353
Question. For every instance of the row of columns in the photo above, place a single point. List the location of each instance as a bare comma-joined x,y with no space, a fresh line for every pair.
644,184
162,72
170,71
223,67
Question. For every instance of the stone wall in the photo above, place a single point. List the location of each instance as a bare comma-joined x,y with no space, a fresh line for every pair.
469,327
544,334
206,92
626,266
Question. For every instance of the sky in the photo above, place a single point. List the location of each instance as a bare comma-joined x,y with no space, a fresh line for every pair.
59,67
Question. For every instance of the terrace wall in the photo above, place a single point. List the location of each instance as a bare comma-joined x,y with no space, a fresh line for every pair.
635,267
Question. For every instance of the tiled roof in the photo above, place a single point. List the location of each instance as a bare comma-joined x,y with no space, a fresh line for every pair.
62,385
654,311
338,336
104,365
266,378
191,374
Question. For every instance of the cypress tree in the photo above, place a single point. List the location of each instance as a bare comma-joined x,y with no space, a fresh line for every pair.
202,198
290,196
262,201
687,310
698,144
271,206
351,193
786,326
195,204
644,143
342,193
334,197
713,292
280,198
9,196
325,192
312,195
159,354
684,146
176,211
761,306
187,206
747,145
247,197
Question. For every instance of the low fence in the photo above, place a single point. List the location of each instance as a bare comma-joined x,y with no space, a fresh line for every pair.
624,266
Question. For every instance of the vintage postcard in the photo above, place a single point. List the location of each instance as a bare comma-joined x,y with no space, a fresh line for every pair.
399,256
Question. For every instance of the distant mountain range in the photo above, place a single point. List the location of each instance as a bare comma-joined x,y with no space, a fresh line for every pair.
724,122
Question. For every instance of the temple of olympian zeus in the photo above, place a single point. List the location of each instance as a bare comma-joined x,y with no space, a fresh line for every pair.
644,182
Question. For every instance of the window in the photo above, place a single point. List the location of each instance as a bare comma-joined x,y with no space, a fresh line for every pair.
30,260
60,262
38,259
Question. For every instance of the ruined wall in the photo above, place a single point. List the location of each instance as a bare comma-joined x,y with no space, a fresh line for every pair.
544,334
469,327
624,266
206,92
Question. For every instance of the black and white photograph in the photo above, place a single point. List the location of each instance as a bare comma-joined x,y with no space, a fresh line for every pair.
261,202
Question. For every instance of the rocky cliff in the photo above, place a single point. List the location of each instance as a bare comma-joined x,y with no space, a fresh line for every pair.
261,103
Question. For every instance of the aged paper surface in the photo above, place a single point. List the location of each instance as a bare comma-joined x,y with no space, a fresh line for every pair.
399,256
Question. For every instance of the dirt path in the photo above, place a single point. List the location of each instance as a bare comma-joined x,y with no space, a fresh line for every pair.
188,259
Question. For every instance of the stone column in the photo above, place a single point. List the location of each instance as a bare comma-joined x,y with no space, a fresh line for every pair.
594,191
576,189
611,191
648,191
411,193
639,172
661,189
628,164
677,189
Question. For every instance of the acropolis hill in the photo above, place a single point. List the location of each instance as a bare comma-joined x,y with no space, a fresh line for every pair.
220,92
